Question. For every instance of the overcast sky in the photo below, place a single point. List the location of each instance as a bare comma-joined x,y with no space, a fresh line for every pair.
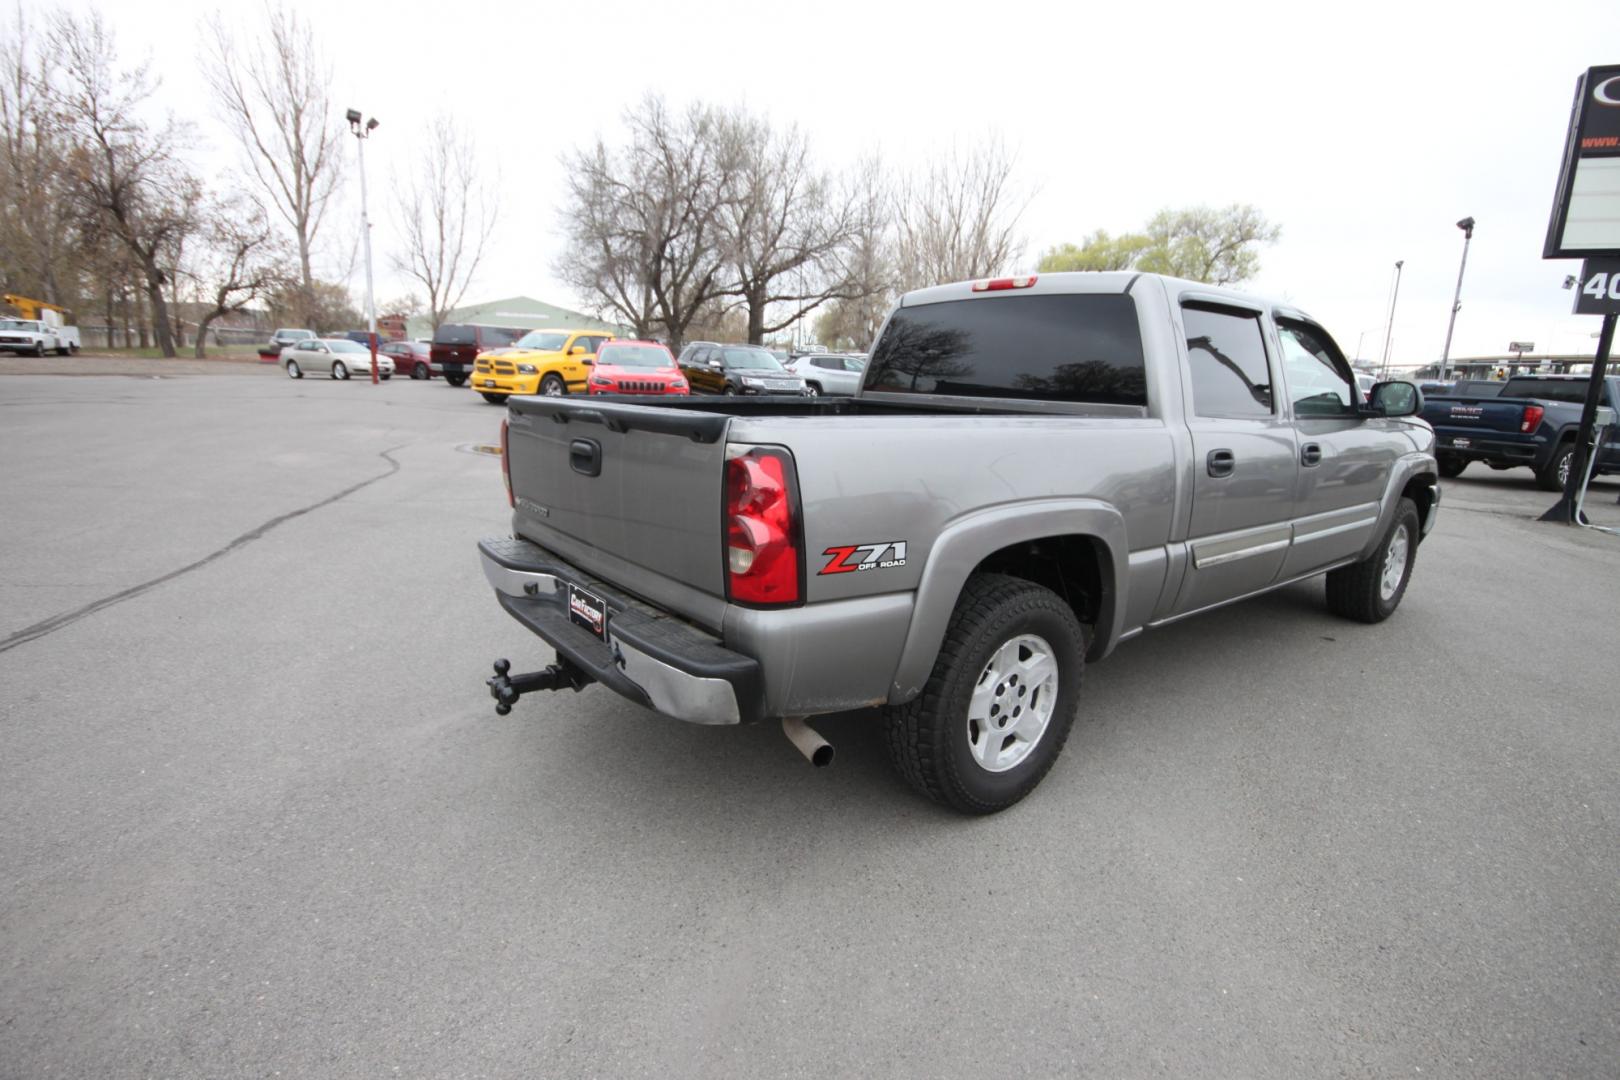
1365,133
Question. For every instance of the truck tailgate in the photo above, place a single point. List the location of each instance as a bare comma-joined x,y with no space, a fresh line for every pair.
1482,413
630,482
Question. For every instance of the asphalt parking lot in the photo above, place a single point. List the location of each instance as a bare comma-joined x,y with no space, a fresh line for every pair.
258,817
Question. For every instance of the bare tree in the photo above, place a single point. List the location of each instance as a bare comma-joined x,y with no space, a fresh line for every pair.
645,236
122,175
33,218
958,218
243,263
866,262
447,216
786,224
274,96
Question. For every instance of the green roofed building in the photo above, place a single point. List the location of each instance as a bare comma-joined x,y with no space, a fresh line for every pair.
518,311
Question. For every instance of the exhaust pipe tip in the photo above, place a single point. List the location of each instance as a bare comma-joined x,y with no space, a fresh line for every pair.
816,750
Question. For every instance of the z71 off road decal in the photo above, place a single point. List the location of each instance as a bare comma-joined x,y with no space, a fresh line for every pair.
852,557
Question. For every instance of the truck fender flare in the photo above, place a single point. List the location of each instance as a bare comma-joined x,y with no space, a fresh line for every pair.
1406,467
966,541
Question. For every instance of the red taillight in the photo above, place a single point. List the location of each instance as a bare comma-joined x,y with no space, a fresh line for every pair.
762,537
997,284
506,462
1532,418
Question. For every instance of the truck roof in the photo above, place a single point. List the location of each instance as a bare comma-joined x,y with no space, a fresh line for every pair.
1107,281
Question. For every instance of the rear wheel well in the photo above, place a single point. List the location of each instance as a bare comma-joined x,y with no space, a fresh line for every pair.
1077,568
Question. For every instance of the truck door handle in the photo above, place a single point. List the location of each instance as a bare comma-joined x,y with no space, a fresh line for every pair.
1221,462
1310,454
585,455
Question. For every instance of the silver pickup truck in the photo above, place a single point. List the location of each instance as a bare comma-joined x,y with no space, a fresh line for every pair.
1033,471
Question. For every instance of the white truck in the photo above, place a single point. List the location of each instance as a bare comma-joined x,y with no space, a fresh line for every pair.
37,328
36,337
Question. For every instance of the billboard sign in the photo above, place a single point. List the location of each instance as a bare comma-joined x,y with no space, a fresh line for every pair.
1586,209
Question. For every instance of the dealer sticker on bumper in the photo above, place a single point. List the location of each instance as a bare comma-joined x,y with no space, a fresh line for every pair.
587,610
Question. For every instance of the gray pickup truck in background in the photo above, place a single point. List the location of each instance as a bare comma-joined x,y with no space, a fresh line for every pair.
1033,471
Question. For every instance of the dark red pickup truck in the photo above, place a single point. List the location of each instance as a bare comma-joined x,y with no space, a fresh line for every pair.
456,345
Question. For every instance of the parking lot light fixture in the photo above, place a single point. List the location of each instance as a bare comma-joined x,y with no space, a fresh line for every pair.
361,134
1467,227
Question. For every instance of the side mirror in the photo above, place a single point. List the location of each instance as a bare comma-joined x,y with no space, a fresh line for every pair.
576,350
588,362
1397,398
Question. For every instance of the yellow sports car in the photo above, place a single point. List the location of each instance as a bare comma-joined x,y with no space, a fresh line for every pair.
549,362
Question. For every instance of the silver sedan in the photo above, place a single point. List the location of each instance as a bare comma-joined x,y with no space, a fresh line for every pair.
337,357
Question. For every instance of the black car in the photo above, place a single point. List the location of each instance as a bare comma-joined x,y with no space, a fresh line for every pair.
736,369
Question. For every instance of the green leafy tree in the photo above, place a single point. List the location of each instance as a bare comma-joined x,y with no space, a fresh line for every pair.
1218,245
1099,251
1202,243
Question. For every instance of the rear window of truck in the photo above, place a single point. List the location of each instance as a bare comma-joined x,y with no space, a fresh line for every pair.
456,335
1572,390
1064,347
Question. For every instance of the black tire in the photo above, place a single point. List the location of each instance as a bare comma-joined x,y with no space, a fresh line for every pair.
456,380
385,377
813,389
552,386
1357,591
63,351
293,370
1551,475
930,739
39,348
1451,465
340,370
493,399
421,371
729,391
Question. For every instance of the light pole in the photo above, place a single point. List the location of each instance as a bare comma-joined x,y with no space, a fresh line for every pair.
1467,226
361,134
1389,327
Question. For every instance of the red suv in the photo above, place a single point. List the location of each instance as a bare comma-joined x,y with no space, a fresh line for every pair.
457,345
636,367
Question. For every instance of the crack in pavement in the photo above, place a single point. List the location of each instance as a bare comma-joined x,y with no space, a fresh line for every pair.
57,622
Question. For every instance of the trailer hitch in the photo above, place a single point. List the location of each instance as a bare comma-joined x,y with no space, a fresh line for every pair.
506,688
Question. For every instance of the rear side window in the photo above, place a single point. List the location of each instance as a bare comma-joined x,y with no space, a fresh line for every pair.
498,337
455,335
1226,355
1084,347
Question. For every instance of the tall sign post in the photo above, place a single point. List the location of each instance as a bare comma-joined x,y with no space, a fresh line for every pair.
1585,224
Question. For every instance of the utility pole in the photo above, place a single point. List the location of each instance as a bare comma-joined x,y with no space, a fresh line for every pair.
361,135
1389,326
1467,226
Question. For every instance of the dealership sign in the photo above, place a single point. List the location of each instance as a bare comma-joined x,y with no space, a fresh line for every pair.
1599,289
1586,211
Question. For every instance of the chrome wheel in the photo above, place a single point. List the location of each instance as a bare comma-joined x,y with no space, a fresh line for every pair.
339,370
1565,463
293,371
551,386
1400,544
1012,703
813,390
